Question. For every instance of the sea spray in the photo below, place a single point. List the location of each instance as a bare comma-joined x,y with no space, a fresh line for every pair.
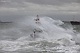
49,28
53,37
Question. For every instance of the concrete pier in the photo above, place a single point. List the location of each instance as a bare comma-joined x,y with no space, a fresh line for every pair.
73,22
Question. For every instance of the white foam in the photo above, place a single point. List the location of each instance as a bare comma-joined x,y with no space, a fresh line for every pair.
51,31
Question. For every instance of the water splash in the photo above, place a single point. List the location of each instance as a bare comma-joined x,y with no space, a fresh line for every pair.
49,36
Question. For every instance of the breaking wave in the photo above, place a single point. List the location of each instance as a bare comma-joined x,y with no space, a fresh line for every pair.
49,37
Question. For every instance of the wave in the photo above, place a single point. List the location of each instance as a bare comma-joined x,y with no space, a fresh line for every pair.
49,36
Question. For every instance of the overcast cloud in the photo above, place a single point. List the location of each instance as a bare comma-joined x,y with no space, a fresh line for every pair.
57,9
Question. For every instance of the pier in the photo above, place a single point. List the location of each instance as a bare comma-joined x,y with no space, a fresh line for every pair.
73,22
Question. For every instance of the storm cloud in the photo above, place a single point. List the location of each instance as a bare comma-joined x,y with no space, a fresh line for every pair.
51,2
16,9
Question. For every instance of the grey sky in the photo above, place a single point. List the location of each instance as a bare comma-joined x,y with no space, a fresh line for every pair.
51,2
57,9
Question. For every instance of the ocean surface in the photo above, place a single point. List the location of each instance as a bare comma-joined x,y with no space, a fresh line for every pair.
50,36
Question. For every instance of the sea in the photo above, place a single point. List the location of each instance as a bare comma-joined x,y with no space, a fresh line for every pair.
43,36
